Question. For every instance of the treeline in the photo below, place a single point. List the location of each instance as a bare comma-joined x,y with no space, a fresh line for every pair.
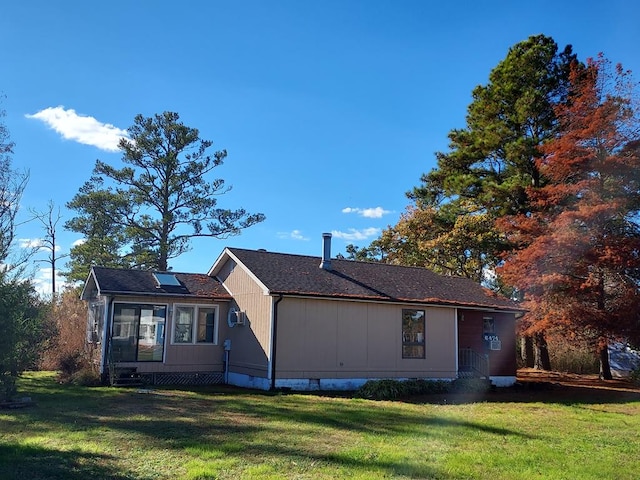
538,197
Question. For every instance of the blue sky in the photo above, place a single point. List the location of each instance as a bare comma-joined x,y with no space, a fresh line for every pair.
329,110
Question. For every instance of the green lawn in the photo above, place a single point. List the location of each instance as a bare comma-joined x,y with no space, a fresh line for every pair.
94,433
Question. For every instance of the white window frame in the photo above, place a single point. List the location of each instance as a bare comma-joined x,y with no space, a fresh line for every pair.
194,323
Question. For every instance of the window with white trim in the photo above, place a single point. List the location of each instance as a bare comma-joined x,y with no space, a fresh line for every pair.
195,324
413,334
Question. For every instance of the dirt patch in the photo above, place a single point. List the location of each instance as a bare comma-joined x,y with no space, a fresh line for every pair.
571,387
549,387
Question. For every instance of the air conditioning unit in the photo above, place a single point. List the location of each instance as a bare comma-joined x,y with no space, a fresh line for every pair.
495,345
235,317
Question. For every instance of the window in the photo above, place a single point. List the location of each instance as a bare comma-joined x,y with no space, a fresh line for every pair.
168,279
206,325
138,332
195,324
488,325
413,334
95,322
489,334
183,319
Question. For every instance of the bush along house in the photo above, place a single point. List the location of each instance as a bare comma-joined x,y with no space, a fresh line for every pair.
271,320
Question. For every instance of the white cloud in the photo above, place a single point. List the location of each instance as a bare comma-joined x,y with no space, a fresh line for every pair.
81,128
35,243
30,242
354,234
80,241
376,212
42,281
292,235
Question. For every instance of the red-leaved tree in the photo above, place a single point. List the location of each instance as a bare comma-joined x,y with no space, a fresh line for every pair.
577,255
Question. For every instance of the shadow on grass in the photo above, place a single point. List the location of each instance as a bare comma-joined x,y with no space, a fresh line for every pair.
539,392
297,429
251,427
34,463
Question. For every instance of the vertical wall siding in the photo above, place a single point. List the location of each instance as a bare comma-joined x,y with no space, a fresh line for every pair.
250,344
341,339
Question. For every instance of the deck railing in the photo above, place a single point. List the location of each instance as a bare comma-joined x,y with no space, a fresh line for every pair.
473,363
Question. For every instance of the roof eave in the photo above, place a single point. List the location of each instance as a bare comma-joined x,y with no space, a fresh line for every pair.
91,276
224,298
413,301
217,265
226,255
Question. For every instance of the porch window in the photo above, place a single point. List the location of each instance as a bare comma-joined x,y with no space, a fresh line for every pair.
413,334
206,325
183,319
138,332
195,324
95,322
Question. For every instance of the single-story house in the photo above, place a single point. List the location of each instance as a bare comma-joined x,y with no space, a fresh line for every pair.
272,320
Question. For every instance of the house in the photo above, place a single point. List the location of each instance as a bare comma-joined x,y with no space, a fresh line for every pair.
271,320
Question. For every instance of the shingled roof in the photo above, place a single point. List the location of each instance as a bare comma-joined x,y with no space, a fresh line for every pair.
289,274
142,282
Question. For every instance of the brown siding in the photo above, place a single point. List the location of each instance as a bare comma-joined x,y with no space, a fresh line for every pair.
250,344
341,339
352,337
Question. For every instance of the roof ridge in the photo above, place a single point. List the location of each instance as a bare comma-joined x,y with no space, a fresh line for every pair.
148,271
346,260
262,250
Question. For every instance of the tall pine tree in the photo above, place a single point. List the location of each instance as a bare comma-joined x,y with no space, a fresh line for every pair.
162,198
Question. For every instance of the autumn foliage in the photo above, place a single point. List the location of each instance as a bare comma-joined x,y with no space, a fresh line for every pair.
71,352
576,255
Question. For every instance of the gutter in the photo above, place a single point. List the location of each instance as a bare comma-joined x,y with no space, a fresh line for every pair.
428,302
274,342
163,294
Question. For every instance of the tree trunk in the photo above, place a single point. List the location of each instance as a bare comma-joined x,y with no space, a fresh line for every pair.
542,362
603,354
526,351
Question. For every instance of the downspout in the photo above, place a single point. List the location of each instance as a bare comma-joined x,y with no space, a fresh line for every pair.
458,314
274,343
105,351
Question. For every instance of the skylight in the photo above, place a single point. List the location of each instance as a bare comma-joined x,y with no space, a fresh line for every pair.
166,279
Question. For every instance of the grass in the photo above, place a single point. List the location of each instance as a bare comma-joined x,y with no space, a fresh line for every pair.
218,433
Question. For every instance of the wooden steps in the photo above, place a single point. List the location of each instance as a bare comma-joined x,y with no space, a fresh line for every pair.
126,377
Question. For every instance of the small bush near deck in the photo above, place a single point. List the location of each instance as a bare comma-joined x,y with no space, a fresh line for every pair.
71,363
86,377
382,390
388,389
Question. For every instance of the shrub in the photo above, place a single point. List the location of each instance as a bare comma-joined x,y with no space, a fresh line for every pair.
85,377
7,386
76,369
382,390
388,389
70,363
